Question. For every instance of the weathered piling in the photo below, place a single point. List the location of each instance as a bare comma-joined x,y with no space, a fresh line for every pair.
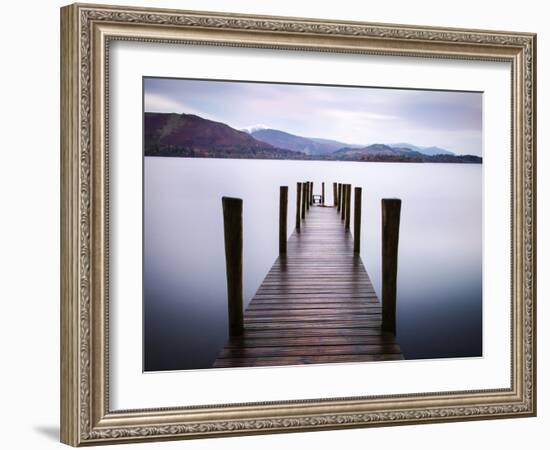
233,237
323,193
391,211
298,204
304,199
339,198
283,209
357,220
348,205
311,193
308,194
343,207
335,194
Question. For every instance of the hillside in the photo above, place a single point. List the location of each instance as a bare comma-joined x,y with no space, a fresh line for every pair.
430,151
374,150
168,134
295,143
386,153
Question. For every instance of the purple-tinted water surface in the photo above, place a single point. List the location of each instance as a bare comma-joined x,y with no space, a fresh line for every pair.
440,249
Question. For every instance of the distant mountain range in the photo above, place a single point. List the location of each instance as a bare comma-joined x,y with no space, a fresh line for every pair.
309,146
376,149
424,150
391,153
188,135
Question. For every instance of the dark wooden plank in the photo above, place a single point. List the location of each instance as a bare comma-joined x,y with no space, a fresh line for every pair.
313,282
325,350
302,293
323,332
311,312
360,298
308,340
293,316
300,360
317,292
309,291
312,307
317,325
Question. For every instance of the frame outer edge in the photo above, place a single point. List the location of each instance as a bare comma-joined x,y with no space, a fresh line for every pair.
533,230
81,414
69,313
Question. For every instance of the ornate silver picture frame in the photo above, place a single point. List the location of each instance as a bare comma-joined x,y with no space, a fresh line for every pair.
87,34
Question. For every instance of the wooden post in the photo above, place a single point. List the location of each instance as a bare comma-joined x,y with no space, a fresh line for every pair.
343,201
339,198
304,198
357,221
323,193
233,236
391,211
335,194
311,193
298,204
283,207
348,205
308,194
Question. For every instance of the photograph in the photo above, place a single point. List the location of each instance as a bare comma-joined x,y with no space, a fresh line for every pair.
287,224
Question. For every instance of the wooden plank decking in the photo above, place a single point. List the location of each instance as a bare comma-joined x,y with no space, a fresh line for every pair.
316,305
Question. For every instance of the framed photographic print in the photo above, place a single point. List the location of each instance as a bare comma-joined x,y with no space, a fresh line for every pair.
278,224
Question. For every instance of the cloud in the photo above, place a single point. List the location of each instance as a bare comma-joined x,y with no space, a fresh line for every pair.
358,116
159,103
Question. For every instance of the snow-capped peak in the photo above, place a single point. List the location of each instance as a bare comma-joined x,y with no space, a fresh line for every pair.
253,128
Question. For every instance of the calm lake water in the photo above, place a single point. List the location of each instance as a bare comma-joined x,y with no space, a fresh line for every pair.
439,293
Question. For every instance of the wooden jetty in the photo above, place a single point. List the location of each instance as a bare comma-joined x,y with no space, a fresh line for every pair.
317,303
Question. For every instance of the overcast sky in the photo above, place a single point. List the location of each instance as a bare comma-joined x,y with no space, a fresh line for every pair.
354,115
